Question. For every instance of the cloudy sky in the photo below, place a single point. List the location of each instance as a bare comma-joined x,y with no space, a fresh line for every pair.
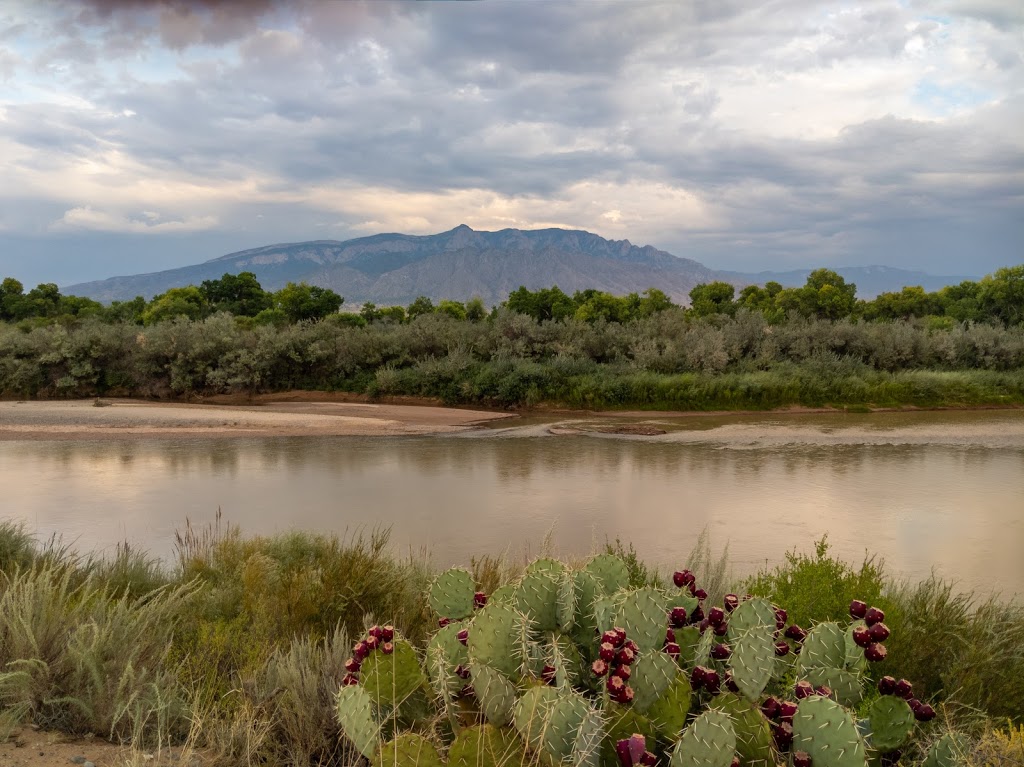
137,136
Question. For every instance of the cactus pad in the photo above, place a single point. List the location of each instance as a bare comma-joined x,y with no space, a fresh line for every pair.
653,674
506,594
487,746
825,645
750,614
495,692
948,751
530,714
408,750
564,718
753,660
496,638
354,711
845,685
754,745
709,742
892,723
668,713
444,653
642,614
855,660
451,594
391,679
537,597
825,730
565,602
610,571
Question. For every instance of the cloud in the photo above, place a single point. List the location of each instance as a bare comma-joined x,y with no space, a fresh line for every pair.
148,222
789,133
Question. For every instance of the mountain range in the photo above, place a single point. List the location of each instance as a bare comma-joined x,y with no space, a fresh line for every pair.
461,263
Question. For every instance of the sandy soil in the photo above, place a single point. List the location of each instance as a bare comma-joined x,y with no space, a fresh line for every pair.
118,419
33,748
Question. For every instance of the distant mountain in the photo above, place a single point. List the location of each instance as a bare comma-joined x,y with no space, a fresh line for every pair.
870,280
396,268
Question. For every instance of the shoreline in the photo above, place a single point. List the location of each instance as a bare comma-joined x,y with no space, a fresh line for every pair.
302,413
34,420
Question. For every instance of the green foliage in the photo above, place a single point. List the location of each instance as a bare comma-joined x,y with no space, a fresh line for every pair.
302,302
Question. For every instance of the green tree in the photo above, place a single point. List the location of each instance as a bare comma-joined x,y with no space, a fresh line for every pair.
421,305
12,297
177,302
453,309
126,311
476,310
827,295
43,300
301,301
652,302
600,305
911,301
713,298
395,314
1001,295
241,294
961,302
544,304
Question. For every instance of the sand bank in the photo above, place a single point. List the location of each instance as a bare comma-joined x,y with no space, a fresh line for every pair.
119,419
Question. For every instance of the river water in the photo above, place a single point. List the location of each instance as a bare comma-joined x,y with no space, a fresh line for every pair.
924,491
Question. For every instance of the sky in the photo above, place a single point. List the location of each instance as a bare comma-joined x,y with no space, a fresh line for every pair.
137,136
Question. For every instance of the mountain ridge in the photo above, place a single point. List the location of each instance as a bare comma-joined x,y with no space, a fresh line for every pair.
463,262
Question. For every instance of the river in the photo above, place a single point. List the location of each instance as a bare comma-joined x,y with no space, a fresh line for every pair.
942,491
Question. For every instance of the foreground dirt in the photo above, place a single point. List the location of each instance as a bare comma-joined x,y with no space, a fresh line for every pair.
34,748
118,419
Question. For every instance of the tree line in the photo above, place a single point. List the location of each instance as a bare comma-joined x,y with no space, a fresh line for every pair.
996,298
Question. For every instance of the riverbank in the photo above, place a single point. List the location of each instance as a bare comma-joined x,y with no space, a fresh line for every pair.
125,418
319,414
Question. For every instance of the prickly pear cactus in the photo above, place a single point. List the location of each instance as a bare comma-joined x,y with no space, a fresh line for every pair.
451,594
825,730
444,653
537,597
709,742
668,712
564,719
845,685
495,692
948,751
354,711
565,603
753,660
824,646
610,571
391,679
651,677
750,614
642,614
855,660
487,746
530,714
498,638
754,745
408,750
892,723
562,655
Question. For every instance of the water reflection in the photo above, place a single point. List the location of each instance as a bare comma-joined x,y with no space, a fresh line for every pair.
956,503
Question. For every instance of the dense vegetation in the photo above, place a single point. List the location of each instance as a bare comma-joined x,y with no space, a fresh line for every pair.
240,646
768,347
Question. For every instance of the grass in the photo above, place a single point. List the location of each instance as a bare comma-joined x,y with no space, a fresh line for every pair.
237,648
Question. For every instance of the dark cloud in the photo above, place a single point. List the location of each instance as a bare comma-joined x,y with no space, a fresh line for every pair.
594,112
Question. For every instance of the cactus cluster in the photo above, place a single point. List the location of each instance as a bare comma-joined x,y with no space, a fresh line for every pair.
573,666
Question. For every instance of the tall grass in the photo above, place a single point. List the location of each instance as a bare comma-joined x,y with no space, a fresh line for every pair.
238,646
